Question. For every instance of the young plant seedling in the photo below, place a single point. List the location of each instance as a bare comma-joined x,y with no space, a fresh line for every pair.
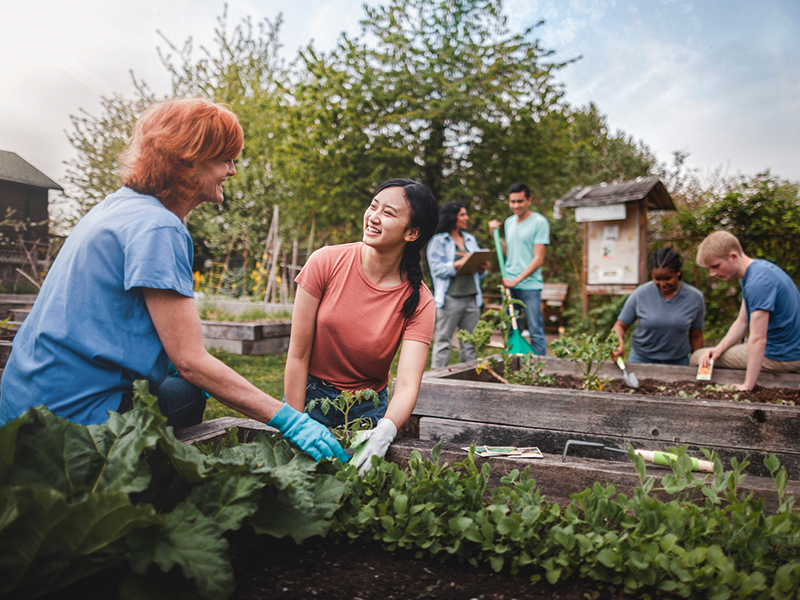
344,403
588,353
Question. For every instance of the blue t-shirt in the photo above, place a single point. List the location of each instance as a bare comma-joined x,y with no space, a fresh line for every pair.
89,335
520,240
767,287
664,325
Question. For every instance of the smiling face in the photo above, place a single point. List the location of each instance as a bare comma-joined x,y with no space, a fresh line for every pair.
387,218
667,281
211,174
520,204
462,220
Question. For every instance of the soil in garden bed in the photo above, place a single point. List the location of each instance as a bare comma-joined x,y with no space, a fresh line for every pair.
686,389
318,568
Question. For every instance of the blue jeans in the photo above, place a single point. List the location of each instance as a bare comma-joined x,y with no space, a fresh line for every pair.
181,402
317,388
533,317
634,357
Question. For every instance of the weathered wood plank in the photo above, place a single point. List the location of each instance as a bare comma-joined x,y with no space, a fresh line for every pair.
464,433
209,430
277,345
558,366
255,330
674,420
17,298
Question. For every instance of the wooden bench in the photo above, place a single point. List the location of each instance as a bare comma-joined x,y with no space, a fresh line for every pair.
554,296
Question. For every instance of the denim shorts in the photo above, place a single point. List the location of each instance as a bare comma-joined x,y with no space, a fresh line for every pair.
316,388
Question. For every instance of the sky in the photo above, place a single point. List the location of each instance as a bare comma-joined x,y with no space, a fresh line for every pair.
717,79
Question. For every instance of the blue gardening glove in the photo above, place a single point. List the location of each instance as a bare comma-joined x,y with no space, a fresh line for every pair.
377,442
309,435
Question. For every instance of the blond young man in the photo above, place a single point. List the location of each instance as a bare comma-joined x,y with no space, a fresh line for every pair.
769,315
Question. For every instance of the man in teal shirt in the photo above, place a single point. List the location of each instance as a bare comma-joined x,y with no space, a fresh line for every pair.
527,235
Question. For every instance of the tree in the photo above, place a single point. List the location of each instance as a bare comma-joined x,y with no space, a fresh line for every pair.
246,73
98,141
414,95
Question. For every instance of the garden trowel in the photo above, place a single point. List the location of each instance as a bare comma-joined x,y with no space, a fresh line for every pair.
651,456
629,378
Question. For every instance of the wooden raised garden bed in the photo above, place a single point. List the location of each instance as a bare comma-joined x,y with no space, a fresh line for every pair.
555,478
258,337
458,405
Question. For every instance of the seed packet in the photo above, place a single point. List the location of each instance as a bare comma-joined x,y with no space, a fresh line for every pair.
704,373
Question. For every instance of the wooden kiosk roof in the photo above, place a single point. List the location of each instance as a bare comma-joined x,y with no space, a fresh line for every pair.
651,192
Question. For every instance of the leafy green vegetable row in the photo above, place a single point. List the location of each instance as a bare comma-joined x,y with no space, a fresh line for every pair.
708,541
129,497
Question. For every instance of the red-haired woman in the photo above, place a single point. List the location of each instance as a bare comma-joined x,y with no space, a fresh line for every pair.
117,304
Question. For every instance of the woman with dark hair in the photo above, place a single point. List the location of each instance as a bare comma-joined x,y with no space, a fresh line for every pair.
670,314
355,304
117,304
458,298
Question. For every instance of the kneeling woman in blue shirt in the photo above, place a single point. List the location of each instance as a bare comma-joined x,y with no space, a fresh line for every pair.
117,304
670,313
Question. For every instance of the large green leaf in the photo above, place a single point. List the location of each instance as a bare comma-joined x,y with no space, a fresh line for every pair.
192,542
48,542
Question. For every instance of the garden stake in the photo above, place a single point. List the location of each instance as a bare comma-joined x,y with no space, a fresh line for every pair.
651,456
630,379
516,343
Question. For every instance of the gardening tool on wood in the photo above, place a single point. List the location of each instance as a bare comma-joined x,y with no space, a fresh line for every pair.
630,379
652,456
516,343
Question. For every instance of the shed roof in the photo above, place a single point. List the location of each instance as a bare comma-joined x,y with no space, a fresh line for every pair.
16,169
649,190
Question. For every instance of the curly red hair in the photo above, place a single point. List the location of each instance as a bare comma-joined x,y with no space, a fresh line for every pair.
170,139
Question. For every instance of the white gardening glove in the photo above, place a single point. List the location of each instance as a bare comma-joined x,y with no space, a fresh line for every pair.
377,442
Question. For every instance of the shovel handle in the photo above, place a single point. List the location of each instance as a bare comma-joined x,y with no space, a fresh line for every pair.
498,246
667,458
511,308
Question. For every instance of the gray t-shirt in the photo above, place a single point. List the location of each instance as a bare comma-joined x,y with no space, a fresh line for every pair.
664,325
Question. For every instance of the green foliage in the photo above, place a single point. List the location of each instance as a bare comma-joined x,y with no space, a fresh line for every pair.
127,495
529,372
344,403
706,539
600,320
98,141
588,352
210,312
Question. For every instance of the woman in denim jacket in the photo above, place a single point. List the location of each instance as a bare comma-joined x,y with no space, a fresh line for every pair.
458,298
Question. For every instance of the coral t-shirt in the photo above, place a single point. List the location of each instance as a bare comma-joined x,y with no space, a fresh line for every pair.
359,325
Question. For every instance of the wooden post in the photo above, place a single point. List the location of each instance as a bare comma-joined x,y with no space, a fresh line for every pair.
311,239
294,269
585,278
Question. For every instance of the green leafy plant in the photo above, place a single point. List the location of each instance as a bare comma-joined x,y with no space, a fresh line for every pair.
344,403
588,352
529,372
128,496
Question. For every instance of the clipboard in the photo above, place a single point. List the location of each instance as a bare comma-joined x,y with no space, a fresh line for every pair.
471,266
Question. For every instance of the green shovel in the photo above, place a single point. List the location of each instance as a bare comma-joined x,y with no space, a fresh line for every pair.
516,343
